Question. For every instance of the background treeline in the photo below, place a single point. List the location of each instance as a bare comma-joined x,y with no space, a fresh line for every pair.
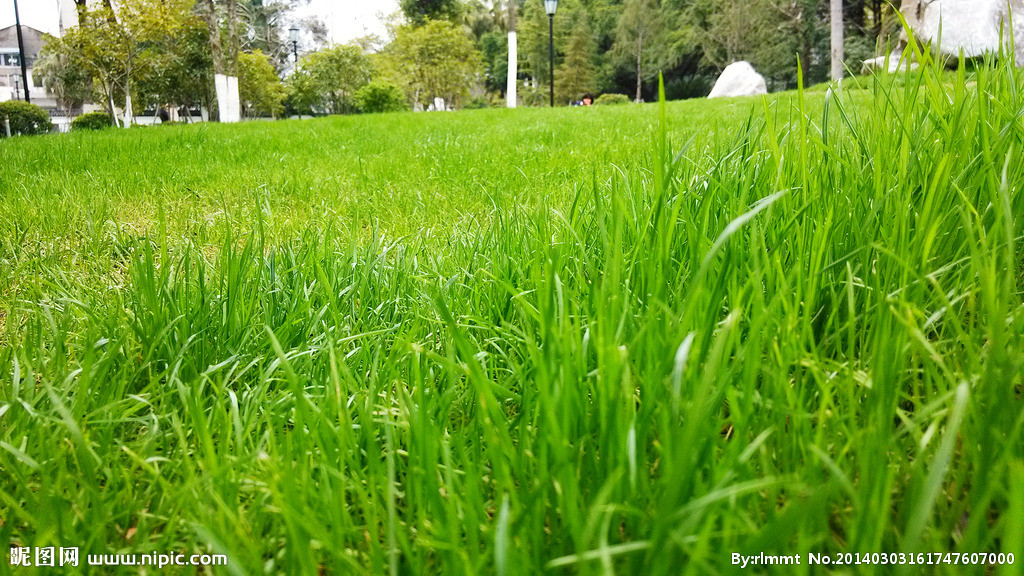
598,43
156,54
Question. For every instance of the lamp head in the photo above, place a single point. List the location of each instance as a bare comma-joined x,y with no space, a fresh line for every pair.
293,33
550,6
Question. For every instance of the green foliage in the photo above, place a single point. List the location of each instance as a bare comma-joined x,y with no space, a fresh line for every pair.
302,93
263,27
151,51
92,121
328,80
420,11
771,35
259,89
435,60
178,64
611,99
575,76
27,119
62,74
380,97
100,48
493,48
640,40
478,103
857,49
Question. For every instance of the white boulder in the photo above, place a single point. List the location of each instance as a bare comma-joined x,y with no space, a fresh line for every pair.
973,26
739,79
896,64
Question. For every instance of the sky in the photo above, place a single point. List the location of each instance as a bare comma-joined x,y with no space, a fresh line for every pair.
346,19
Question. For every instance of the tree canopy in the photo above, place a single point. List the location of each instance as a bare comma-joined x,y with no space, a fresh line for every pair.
435,60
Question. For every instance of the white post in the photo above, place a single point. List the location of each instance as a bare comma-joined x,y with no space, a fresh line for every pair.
513,62
227,97
837,40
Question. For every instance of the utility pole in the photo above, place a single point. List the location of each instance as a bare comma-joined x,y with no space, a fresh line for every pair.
551,55
21,52
837,39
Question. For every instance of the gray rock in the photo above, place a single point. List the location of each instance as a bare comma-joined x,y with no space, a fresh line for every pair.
739,79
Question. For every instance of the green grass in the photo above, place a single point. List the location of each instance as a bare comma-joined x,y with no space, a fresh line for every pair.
627,340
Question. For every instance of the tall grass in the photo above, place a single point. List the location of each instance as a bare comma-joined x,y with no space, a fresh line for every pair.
800,335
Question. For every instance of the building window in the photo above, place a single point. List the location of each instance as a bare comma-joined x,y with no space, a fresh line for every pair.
10,59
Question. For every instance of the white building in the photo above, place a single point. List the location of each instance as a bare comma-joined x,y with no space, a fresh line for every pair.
12,86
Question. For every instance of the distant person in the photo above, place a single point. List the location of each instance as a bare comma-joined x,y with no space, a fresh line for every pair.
587,100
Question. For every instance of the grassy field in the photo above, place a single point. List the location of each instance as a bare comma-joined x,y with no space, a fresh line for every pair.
629,340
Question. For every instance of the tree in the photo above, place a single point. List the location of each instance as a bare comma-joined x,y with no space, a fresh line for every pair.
262,26
640,34
575,76
182,75
160,33
259,89
99,47
435,60
768,33
334,75
419,11
225,60
301,89
380,97
145,51
62,75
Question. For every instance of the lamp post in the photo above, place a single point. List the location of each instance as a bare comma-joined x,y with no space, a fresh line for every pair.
21,52
293,35
550,6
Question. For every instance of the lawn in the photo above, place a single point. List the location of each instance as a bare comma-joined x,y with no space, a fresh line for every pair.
629,339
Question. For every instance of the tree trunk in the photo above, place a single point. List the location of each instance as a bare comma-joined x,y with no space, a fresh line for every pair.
214,29
225,68
838,52
512,82
110,100
639,64
83,11
129,114
232,57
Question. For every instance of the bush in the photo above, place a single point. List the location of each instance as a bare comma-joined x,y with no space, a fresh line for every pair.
91,121
605,99
25,118
380,97
477,103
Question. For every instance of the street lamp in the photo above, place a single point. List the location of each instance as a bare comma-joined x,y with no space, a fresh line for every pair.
550,6
21,51
293,35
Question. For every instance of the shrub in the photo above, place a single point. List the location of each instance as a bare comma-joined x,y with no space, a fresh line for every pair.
380,97
477,103
25,118
605,99
91,121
